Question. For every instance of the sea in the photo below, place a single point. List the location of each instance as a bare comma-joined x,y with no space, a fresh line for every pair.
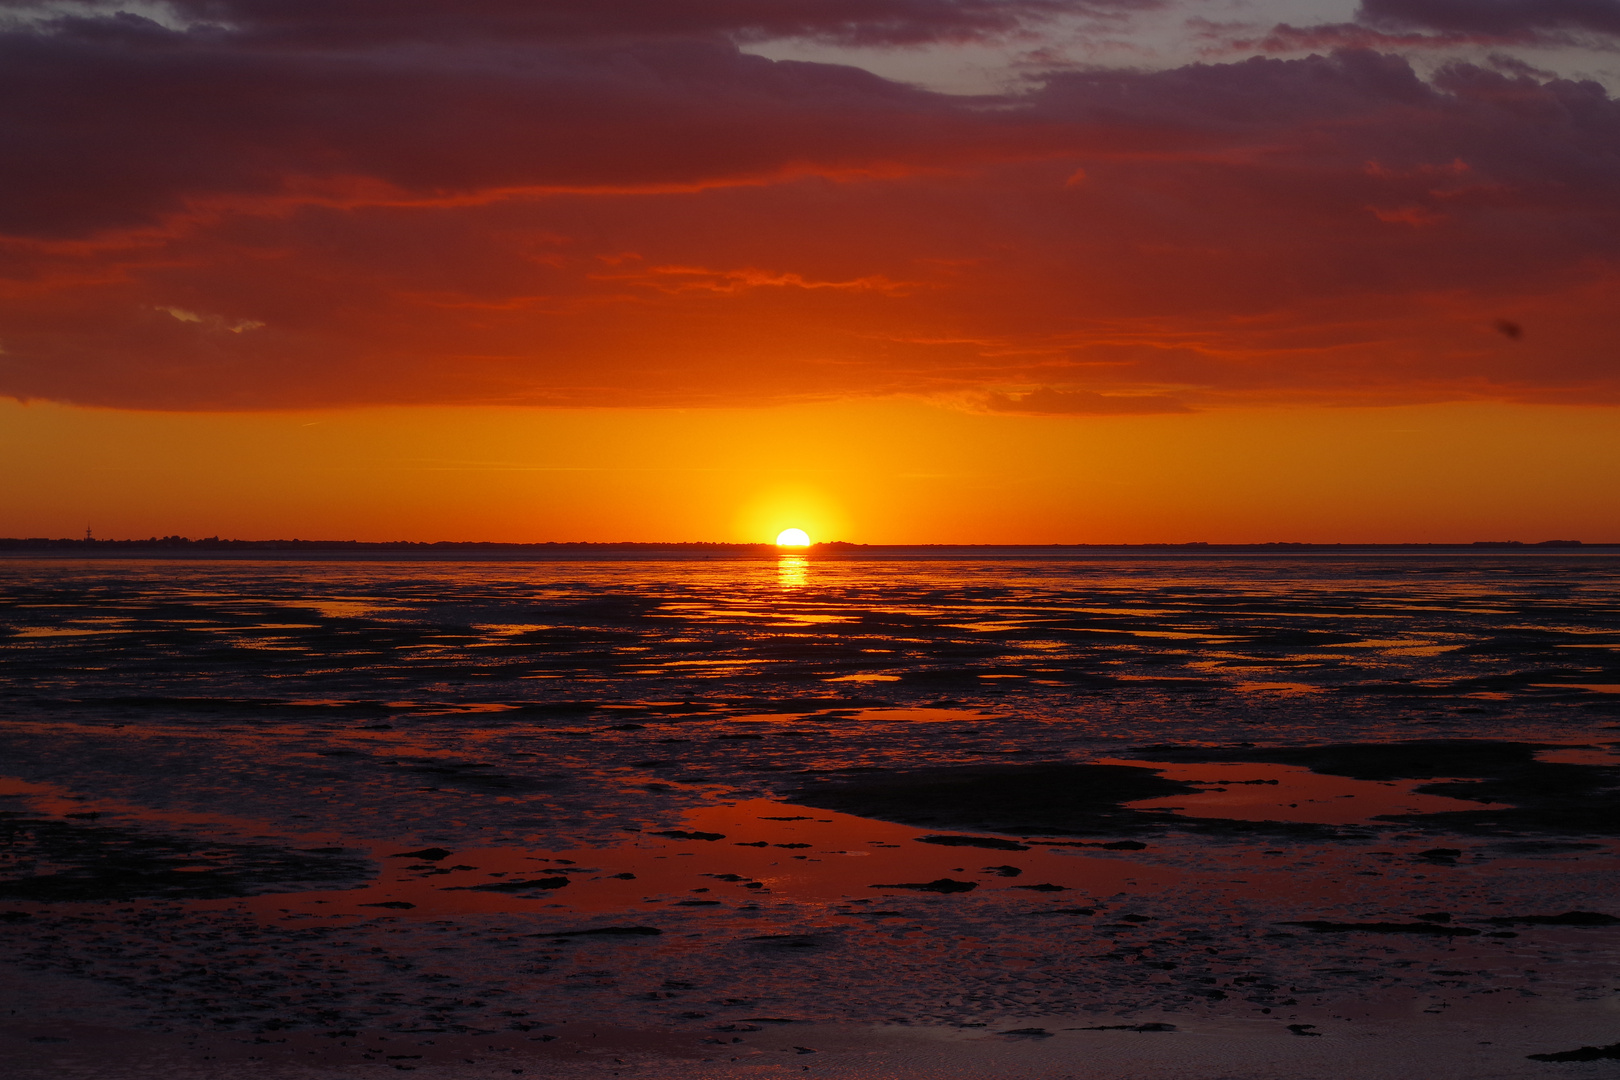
903,809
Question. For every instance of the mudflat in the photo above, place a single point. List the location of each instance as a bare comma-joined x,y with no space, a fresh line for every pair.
1192,818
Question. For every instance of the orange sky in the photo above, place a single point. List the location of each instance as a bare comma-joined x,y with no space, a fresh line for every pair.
901,270
888,471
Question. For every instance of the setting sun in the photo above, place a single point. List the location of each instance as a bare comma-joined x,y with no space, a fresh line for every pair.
792,538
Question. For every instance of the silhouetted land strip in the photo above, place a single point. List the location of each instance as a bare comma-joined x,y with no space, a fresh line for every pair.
214,547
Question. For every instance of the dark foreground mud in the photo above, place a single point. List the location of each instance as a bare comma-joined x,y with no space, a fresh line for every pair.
1274,822
1038,799
1526,796
1583,1053
70,860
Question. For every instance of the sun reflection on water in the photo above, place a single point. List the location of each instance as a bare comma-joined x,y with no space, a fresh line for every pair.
791,571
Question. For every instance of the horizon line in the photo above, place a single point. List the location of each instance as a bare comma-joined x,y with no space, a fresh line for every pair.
215,543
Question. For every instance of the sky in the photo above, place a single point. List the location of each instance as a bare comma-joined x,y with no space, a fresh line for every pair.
930,271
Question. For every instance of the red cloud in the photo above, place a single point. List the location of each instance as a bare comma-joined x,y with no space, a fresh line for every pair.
664,220
1047,401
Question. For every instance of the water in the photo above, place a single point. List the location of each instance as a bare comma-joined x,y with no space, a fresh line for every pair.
1147,636
245,751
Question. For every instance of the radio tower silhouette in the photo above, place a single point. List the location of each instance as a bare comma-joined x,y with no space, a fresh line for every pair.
87,535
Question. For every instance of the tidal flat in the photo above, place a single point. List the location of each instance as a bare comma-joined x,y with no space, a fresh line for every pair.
1276,816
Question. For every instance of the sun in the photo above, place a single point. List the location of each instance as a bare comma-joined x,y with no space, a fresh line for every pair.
792,538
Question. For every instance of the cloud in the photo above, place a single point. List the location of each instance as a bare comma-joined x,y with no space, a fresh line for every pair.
1326,37
854,22
1503,19
679,279
122,128
614,205
1435,25
1046,401
213,322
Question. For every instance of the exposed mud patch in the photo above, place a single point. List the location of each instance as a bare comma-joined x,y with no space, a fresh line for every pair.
1584,1053
1517,793
1428,929
1037,799
53,860
1541,796
1415,759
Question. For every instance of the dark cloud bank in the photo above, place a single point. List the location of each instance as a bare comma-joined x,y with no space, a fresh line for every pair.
1502,18
265,204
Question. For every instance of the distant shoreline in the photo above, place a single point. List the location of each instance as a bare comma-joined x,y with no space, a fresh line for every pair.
175,547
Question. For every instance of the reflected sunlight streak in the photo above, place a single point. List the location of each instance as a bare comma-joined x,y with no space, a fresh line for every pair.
791,571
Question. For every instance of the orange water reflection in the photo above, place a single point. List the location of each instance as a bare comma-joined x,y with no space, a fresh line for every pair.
1245,791
733,857
1581,755
870,716
792,571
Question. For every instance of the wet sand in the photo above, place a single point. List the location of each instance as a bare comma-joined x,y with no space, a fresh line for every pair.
1100,871
1383,1045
